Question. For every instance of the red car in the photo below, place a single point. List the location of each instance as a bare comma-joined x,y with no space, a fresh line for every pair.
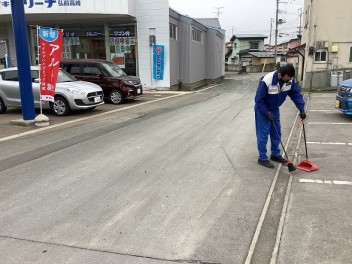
116,85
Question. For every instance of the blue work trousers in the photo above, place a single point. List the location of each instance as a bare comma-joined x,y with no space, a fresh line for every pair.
264,128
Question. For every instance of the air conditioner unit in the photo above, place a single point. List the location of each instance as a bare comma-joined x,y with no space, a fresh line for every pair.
320,44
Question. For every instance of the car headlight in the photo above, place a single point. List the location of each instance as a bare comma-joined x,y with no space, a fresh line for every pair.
345,89
128,82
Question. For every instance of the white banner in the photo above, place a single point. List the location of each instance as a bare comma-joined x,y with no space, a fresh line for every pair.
73,6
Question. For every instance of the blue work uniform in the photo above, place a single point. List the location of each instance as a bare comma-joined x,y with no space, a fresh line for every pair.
271,94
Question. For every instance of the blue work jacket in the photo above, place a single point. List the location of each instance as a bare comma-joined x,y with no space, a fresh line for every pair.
272,92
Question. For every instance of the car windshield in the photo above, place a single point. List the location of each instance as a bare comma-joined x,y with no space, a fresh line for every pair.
113,69
65,77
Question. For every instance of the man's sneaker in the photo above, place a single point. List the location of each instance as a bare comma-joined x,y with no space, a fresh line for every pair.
266,163
279,159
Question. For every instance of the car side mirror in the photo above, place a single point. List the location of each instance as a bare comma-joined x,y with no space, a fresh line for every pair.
101,76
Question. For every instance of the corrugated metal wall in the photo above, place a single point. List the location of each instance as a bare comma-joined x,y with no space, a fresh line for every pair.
2,49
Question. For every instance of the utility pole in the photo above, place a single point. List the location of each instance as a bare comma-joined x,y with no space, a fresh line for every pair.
276,28
300,26
232,29
271,31
218,12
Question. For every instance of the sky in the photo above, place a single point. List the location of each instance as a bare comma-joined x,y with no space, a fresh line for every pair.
246,16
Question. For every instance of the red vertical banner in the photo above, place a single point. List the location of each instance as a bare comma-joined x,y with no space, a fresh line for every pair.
50,50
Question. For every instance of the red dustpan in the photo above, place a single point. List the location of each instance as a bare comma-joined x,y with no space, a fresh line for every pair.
306,165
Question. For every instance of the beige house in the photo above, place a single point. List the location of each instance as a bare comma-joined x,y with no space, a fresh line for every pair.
327,36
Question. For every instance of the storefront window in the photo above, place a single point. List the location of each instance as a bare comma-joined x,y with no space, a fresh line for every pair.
123,48
88,43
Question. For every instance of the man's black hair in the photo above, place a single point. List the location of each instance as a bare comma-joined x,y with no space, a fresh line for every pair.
288,70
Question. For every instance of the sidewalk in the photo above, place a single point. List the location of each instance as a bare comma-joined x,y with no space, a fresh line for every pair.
7,129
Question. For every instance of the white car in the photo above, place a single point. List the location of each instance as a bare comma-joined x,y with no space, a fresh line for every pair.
70,94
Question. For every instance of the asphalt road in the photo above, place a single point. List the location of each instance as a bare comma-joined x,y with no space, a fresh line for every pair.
174,181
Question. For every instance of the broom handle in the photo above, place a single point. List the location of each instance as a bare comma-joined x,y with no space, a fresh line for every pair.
277,133
305,141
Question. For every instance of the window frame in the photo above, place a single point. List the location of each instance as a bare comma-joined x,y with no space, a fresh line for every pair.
91,65
196,35
254,43
3,76
320,60
173,31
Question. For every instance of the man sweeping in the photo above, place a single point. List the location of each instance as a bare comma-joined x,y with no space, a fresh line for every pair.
272,91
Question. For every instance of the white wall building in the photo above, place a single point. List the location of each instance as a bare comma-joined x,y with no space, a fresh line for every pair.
121,31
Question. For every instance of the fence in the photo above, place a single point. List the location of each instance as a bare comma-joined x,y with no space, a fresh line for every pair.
328,78
251,68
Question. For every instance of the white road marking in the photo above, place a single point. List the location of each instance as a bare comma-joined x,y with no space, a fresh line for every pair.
325,182
324,95
280,229
207,88
165,92
326,123
266,208
330,143
326,110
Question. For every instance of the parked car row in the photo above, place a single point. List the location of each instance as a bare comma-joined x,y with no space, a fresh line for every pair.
81,84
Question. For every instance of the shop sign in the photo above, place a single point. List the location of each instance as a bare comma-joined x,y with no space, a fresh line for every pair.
94,34
69,34
158,62
50,49
117,41
122,33
46,3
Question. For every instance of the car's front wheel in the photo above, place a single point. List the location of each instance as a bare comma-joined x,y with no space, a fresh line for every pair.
116,97
2,106
60,107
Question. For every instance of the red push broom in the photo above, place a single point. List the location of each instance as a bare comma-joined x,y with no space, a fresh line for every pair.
306,165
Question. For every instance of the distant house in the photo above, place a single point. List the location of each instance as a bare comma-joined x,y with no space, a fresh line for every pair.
284,54
258,61
261,57
228,51
241,44
268,47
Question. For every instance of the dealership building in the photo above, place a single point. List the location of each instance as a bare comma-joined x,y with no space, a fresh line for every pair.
127,32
